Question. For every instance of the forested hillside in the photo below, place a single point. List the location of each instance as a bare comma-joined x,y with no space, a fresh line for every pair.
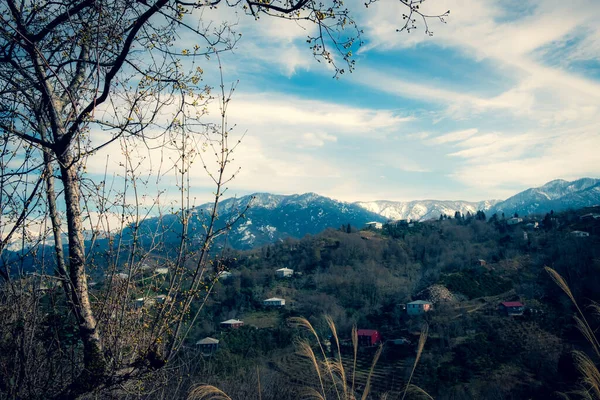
464,266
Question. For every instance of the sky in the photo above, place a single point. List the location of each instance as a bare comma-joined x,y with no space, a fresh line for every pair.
503,97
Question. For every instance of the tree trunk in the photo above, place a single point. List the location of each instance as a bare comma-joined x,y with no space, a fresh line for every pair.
61,268
95,366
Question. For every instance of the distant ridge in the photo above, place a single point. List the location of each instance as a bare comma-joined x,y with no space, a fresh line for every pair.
422,210
274,217
555,195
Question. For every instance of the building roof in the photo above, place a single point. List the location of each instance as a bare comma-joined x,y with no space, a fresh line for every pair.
367,332
208,340
420,302
512,304
274,299
232,322
285,269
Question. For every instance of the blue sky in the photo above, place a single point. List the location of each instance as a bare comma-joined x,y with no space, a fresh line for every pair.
503,97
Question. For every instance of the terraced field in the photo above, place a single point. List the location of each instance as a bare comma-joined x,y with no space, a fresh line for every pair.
389,374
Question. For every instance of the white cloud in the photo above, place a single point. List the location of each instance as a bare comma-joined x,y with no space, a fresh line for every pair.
528,159
454,136
311,139
297,144
274,108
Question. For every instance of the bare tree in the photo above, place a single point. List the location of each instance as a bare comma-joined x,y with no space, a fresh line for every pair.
80,75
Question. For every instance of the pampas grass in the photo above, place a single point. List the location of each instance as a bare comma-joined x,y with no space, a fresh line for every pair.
330,372
586,367
334,367
207,392
420,347
368,385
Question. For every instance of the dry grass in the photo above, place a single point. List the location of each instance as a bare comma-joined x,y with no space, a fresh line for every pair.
334,369
420,347
368,385
590,386
331,375
207,392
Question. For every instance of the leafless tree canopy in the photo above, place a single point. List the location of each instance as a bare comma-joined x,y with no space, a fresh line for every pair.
79,75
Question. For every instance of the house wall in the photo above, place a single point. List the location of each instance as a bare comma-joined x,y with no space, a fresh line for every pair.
417,309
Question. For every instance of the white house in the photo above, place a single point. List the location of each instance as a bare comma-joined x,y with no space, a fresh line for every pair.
374,224
274,302
162,271
514,221
580,234
146,267
418,307
224,275
161,298
142,301
284,272
589,216
532,225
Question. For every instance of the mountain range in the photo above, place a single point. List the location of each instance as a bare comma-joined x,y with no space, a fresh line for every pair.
271,218
274,217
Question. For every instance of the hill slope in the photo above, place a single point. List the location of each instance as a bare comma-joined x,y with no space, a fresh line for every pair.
556,195
421,210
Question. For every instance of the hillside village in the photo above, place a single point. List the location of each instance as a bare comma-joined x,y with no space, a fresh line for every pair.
477,282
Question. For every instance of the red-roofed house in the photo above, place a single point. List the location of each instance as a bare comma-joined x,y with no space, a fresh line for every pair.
512,307
368,337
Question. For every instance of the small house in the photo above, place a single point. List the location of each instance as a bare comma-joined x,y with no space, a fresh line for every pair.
532,225
138,303
284,272
580,234
208,345
418,307
123,276
161,298
368,337
161,271
224,275
146,267
374,225
589,217
274,302
482,262
512,308
514,221
143,301
232,324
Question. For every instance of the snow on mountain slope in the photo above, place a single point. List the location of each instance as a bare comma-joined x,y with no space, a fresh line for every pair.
420,210
276,217
555,195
